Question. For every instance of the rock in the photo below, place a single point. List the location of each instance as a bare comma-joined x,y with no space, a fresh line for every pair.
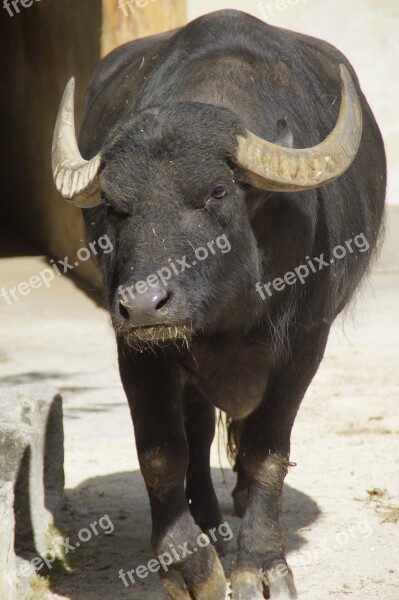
31,475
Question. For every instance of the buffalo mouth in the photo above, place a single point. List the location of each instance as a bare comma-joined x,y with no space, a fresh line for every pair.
156,334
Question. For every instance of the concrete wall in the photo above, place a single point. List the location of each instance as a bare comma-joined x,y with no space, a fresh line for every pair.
41,47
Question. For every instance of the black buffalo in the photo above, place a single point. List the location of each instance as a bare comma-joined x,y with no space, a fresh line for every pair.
240,175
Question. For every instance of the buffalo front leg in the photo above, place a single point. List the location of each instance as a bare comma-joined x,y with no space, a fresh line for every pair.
264,458
188,563
200,430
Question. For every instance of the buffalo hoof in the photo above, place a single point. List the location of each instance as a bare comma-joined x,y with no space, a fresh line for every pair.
281,582
175,586
283,589
184,585
248,585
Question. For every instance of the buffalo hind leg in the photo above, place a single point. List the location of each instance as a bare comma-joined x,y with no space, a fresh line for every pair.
189,566
264,457
240,492
200,493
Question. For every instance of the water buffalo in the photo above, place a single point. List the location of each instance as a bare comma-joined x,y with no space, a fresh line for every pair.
240,174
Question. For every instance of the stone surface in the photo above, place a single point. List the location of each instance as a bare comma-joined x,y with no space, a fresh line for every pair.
31,456
8,575
31,480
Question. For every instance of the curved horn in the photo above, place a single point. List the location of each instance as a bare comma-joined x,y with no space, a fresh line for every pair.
271,167
75,178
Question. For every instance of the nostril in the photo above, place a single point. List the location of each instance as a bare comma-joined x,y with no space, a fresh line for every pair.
163,302
123,310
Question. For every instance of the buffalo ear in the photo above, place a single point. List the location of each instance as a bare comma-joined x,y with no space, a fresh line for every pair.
285,137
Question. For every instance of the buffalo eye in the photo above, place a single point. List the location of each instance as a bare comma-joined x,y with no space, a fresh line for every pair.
110,210
219,192
115,214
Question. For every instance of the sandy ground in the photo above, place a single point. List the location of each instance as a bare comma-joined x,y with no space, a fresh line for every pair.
339,505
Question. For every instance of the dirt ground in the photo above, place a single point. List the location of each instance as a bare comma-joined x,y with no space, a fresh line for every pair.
341,501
